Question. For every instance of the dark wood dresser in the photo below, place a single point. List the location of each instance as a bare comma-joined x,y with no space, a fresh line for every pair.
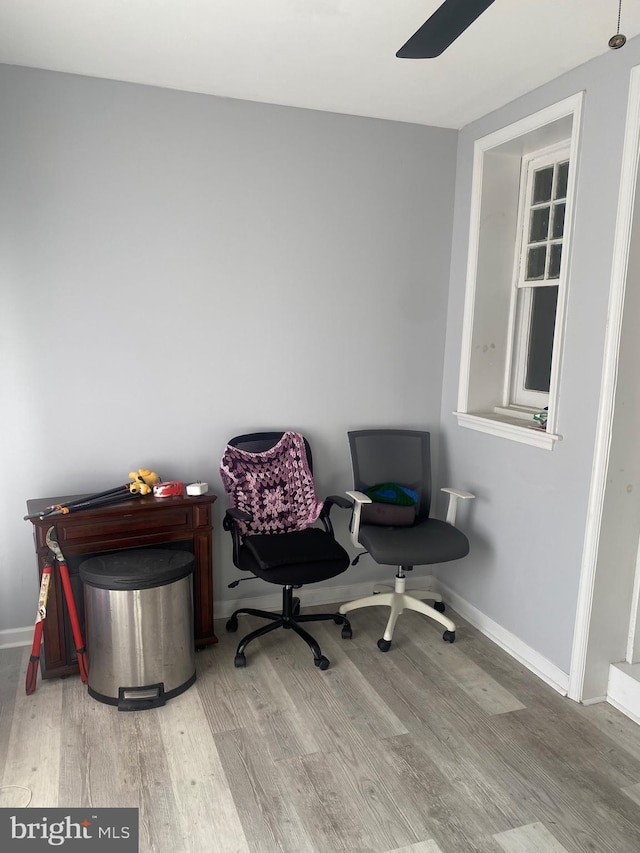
183,523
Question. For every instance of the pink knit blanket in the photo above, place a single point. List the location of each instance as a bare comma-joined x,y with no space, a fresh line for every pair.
275,486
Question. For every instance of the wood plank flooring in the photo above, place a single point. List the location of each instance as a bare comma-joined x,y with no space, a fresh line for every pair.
430,748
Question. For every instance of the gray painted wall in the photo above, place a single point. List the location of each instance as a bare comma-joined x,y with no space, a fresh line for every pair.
528,523
176,269
618,544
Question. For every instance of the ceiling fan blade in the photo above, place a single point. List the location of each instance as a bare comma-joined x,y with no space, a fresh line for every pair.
449,21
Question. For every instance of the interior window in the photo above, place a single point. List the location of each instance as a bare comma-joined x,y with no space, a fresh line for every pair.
520,224
543,203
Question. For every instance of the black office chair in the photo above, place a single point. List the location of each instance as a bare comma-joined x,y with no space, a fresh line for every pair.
268,476
401,533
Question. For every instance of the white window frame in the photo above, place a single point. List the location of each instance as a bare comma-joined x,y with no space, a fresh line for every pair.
516,394
488,334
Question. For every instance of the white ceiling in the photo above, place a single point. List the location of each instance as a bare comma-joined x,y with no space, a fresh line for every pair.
335,55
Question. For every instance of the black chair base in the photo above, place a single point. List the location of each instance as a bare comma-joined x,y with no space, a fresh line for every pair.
288,619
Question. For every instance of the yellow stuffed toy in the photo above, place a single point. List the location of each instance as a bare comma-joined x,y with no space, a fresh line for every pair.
142,481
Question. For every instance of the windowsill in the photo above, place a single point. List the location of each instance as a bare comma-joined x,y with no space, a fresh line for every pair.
510,426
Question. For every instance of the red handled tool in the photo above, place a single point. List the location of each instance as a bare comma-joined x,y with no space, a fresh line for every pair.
55,554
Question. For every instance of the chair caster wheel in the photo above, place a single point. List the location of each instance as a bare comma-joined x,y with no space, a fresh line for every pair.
347,633
439,606
449,636
239,661
296,606
384,645
232,624
322,662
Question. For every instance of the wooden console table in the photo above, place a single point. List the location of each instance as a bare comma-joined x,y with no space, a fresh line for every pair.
181,522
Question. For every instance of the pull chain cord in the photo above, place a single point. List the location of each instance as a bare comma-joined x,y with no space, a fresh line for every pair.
21,788
618,40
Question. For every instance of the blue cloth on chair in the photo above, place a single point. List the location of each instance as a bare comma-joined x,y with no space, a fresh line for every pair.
392,493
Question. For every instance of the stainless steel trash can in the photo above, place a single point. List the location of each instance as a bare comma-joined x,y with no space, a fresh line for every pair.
139,626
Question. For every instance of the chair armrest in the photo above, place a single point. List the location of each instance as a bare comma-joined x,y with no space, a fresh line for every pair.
338,500
454,496
359,500
238,514
230,522
332,500
359,497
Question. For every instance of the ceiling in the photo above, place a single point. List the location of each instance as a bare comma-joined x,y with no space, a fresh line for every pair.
334,55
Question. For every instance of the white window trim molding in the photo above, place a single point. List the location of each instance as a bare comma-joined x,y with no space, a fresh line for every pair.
507,426
608,386
496,422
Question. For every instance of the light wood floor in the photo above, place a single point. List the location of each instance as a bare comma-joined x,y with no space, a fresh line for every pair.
430,748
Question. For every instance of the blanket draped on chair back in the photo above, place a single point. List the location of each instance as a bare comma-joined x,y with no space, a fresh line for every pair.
276,486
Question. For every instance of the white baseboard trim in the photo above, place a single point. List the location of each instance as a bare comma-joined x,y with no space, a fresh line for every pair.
534,661
335,595
595,700
310,595
314,595
623,689
13,637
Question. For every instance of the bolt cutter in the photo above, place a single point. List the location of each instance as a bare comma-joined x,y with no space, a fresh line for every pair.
55,553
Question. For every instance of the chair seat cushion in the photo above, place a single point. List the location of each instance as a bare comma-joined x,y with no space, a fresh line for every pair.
428,541
293,549
314,556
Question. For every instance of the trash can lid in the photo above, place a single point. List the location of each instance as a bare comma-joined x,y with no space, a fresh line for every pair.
140,568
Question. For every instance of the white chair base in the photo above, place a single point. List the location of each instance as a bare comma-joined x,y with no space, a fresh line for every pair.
399,600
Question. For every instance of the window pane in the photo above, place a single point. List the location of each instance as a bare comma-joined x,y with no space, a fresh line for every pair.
557,228
554,260
536,258
562,175
539,228
541,328
542,183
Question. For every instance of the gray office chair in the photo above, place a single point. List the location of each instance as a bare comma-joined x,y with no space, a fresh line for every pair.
402,536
